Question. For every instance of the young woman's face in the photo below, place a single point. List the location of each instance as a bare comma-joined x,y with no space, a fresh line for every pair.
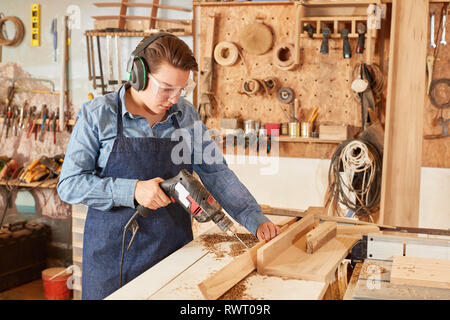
164,88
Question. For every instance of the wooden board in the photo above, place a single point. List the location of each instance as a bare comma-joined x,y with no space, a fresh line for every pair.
376,286
424,272
286,256
319,236
404,114
272,249
295,263
357,229
220,282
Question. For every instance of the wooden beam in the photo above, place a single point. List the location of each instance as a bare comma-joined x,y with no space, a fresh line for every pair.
357,229
154,14
224,279
318,214
319,236
425,272
138,5
123,13
177,21
405,100
272,249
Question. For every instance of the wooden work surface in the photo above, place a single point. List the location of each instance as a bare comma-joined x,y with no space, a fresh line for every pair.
374,284
177,277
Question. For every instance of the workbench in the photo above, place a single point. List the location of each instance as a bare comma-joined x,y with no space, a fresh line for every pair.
177,277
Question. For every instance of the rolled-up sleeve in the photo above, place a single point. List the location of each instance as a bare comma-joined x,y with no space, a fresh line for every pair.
79,182
224,185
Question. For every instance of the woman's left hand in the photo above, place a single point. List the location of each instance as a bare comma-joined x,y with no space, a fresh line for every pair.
267,231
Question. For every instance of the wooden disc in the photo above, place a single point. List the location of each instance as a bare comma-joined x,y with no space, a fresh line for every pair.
256,38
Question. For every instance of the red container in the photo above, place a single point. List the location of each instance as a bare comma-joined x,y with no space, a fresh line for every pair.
273,128
56,288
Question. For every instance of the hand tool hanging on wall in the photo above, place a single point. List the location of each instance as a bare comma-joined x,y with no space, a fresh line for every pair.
206,94
44,116
432,43
286,95
325,36
310,30
361,38
347,51
443,42
54,32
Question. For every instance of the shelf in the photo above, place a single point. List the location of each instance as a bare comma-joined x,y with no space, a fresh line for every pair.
139,5
307,140
99,33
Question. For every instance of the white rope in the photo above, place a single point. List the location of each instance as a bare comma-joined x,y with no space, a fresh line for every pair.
355,158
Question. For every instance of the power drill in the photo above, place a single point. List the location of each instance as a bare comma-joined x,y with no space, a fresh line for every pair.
194,198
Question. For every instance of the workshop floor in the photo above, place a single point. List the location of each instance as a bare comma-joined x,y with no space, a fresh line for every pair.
29,291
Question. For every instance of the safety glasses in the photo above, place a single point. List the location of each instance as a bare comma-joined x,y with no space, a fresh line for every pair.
169,92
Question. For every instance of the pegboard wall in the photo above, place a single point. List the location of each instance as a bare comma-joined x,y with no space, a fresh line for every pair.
321,80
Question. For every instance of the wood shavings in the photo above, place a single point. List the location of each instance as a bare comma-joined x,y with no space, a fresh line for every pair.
238,292
371,269
212,241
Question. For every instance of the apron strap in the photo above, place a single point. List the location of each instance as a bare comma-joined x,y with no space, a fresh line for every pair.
119,112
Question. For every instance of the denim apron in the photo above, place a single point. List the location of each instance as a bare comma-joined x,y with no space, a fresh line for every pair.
162,232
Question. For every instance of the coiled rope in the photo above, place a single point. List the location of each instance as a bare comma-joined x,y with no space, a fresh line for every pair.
18,34
354,177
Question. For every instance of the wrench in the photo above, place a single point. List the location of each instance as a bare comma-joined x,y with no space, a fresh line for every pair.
432,44
443,31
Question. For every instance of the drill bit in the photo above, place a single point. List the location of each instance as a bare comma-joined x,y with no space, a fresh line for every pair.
241,240
232,230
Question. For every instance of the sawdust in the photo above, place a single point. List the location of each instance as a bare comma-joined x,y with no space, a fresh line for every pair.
372,269
238,292
211,241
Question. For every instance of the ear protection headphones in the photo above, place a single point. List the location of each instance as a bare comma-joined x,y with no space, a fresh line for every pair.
137,68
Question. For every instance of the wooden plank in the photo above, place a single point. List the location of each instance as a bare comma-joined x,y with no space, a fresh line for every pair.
153,14
122,14
273,248
353,281
176,21
224,279
361,229
423,272
139,5
318,214
400,188
318,237
295,263
373,283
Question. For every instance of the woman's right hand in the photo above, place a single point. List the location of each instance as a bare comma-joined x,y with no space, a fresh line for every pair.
149,194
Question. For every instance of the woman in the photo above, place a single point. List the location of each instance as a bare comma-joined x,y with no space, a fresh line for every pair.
119,152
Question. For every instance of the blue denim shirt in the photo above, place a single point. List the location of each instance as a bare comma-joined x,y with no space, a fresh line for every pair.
90,144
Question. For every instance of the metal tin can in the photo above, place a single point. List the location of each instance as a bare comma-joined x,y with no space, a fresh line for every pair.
293,129
249,126
306,129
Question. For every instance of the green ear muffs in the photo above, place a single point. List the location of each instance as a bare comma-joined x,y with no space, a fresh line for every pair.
138,76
